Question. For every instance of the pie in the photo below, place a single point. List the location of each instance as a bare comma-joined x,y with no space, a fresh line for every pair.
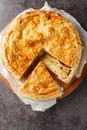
33,32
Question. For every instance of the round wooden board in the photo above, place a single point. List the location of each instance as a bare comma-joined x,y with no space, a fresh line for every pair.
67,91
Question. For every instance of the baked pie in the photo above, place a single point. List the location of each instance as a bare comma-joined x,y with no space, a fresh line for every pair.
33,32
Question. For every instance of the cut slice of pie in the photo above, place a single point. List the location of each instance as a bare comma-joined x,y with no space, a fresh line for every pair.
40,85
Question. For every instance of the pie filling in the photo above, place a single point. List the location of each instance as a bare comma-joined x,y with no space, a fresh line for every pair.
60,69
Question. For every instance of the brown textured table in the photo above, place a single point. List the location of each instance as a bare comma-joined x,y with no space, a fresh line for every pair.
69,113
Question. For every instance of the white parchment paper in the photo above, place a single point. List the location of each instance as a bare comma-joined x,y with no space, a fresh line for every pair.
36,104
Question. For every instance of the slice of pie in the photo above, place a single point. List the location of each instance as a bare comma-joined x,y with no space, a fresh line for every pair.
40,85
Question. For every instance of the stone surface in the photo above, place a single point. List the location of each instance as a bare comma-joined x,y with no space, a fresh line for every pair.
69,113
